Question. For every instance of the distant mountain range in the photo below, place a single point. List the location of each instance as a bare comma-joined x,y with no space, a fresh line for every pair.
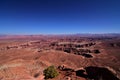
100,35
77,35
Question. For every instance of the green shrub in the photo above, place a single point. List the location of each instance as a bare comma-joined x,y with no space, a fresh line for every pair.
50,72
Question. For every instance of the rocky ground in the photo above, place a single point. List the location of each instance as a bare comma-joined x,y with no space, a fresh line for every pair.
75,58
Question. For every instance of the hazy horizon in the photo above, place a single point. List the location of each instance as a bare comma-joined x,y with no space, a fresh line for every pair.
67,34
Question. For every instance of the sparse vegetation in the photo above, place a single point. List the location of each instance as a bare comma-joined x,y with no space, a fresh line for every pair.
50,72
74,58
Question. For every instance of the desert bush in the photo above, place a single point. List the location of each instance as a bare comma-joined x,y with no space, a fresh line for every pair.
50,72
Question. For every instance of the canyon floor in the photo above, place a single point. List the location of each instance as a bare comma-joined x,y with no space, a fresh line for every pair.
75,58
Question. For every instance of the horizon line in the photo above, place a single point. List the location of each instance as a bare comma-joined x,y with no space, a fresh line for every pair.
61,34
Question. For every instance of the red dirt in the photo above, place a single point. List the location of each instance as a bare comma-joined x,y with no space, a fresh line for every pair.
24,57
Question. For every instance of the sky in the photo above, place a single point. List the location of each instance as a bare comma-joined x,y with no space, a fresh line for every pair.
59,16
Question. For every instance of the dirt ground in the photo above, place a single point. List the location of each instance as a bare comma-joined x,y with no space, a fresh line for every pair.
24,58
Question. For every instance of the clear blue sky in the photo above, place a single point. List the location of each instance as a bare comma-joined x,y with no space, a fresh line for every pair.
59,16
